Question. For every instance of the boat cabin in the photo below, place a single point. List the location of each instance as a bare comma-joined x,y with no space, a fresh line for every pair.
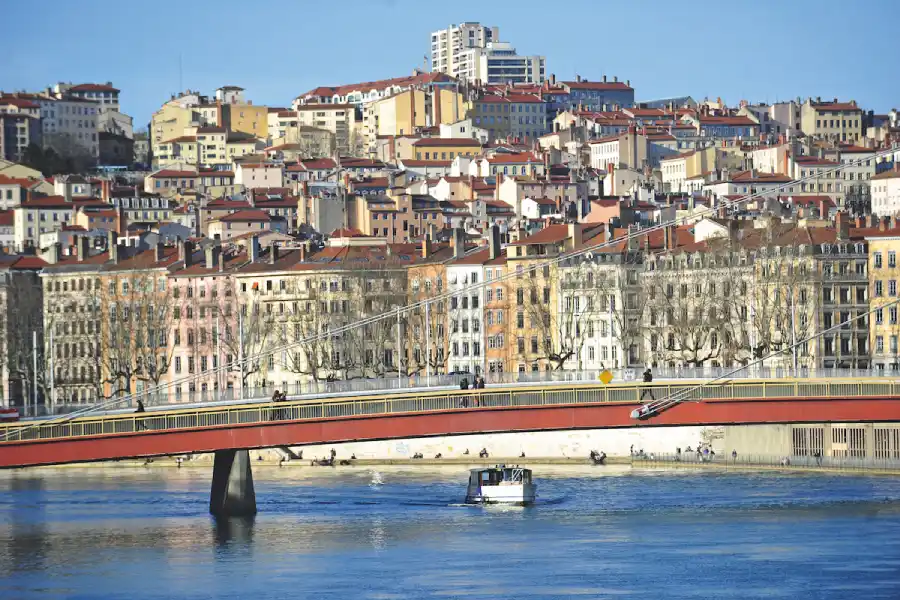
501,475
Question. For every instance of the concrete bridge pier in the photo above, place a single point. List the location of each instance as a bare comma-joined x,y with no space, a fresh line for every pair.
232,493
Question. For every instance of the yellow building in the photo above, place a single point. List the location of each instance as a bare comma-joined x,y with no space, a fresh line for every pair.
884,325
177,152
404,113
246,118
169,123
338,119
838,121
440,149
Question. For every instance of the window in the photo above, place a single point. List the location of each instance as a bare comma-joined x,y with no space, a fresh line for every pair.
892,259
892,287
878,260
879,316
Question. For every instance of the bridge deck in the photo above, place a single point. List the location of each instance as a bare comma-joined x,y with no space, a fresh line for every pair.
445,400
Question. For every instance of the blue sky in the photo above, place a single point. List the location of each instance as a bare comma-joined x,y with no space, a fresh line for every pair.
764,50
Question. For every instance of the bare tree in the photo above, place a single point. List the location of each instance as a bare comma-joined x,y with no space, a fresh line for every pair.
139,317
690,322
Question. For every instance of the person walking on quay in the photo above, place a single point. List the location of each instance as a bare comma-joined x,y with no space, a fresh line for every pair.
139,423
734,456
648,378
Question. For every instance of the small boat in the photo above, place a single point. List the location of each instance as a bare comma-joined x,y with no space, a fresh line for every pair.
501,485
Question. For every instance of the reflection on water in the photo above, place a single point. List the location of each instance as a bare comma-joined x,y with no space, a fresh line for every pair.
400,532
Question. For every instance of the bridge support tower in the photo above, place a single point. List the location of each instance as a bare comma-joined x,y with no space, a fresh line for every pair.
232,493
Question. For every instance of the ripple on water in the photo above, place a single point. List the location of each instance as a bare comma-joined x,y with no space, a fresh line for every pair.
403,532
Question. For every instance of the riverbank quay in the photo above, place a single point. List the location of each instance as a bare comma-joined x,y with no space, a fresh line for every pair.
654,462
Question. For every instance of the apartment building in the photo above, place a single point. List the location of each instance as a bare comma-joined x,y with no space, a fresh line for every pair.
447,45
885,189
836,121
498,63
884,324
513,115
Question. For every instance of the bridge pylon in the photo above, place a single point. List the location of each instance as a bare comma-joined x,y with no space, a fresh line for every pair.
232,493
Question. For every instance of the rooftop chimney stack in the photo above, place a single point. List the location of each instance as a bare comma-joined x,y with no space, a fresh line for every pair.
273,254
119,252
426,245
494,242
159,252
186,253
458,242
82,245
253,251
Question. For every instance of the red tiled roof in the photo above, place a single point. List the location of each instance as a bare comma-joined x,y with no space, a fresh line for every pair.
839,106
425,142
510,98
7,218
849,148
29,262
60,202
382,84
92,87
18,102
408,162
347,233
814,160
173,173
739,121
247,215
325,107
20,181
596,85
521,157
314,164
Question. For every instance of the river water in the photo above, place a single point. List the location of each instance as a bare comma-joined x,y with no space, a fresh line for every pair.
400,532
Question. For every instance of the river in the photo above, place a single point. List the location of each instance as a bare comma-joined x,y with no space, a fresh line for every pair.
400,532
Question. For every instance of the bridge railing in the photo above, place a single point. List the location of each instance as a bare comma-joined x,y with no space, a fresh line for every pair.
805,461
447,400
418,382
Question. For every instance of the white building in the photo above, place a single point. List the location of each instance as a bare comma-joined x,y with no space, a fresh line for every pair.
464,129
498,63
770,159
104,94
886,193
859,166
674,173
466,309
259,175
448,44
70,120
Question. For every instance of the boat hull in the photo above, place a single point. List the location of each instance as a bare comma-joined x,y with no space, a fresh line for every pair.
521,495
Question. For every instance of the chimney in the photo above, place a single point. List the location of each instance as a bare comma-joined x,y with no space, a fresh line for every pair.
860,222
552,78
212,256
119,251
159,253
426,245
221,260
82,245
823,209
304,189
67,191
494,242
186,253
609,233
112,239
882,224
218,113
578,78
55,253
436,107
104,190
604,79
842,225
273,254
253,250
458,242
615,79
575,235
669,237
723,210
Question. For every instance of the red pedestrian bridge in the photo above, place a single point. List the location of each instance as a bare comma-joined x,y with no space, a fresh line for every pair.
513,408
